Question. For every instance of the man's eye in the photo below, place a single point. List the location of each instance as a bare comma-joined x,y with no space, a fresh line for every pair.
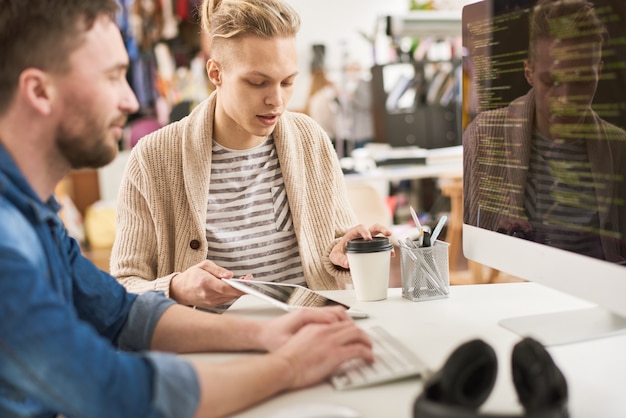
116,77
551,83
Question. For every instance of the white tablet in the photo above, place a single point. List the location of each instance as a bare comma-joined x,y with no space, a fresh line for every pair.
288,296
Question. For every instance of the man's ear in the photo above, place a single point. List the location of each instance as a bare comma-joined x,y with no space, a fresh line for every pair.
600,68
528,72
214,71
37,90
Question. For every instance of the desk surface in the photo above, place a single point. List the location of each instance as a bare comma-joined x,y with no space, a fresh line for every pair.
408,172
595,370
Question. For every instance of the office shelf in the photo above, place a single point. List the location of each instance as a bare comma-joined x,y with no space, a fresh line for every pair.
427,23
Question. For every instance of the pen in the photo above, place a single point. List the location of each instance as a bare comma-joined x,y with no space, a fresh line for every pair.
426,241
418,225
438,229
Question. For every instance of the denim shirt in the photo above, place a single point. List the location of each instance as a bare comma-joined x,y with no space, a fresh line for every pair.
72,340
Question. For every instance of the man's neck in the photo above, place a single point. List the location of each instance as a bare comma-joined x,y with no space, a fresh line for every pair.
31,158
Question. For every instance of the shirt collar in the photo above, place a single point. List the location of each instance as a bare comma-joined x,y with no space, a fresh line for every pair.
16,188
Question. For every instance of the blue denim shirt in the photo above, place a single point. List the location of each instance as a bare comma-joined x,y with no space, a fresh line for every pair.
72,340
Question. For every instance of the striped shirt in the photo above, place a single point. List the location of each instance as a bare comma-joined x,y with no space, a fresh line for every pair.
248,222
560,196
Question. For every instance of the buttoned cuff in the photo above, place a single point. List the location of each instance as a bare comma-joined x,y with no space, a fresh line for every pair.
340,274
142,320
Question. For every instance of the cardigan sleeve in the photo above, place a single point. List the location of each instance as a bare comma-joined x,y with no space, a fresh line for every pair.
136,237
342,275
344,219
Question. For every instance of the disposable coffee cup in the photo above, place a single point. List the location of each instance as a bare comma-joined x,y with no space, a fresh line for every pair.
369,266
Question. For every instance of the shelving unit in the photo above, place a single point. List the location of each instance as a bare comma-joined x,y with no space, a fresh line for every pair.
420,120
424,124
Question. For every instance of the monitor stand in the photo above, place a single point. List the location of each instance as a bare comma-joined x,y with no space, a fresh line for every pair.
567,327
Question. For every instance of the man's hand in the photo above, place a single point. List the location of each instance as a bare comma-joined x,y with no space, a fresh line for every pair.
276,332
338,255
201,285
315,342
317,351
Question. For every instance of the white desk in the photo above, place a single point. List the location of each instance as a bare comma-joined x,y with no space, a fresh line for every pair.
443,162
595,370
408,172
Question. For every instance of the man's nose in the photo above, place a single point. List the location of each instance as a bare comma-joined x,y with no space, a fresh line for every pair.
129,102
563,93
274,97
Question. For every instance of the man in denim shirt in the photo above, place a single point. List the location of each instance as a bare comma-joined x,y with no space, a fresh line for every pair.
72,341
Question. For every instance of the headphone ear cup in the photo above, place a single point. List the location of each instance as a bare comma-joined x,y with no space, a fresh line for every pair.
467,377
539,383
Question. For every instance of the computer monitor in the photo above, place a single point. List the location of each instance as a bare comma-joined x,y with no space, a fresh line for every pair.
544,155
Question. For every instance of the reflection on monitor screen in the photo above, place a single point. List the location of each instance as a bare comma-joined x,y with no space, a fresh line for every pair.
544,144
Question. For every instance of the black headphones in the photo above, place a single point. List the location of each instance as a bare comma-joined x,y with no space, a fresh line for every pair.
469,374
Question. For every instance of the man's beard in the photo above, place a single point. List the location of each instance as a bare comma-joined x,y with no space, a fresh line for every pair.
87,143
91,152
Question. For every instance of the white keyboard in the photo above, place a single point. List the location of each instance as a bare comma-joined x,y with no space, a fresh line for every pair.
392,361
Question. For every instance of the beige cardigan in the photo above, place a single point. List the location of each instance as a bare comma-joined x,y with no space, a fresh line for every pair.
162,202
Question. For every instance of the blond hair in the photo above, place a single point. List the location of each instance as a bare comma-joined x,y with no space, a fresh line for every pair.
233,19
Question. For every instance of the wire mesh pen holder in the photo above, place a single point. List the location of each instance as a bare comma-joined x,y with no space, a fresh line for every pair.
425,272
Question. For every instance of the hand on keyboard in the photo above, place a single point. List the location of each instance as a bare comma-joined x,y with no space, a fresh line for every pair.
392,361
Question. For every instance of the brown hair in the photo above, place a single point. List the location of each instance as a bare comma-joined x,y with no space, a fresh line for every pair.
566,20
42,34
233,19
